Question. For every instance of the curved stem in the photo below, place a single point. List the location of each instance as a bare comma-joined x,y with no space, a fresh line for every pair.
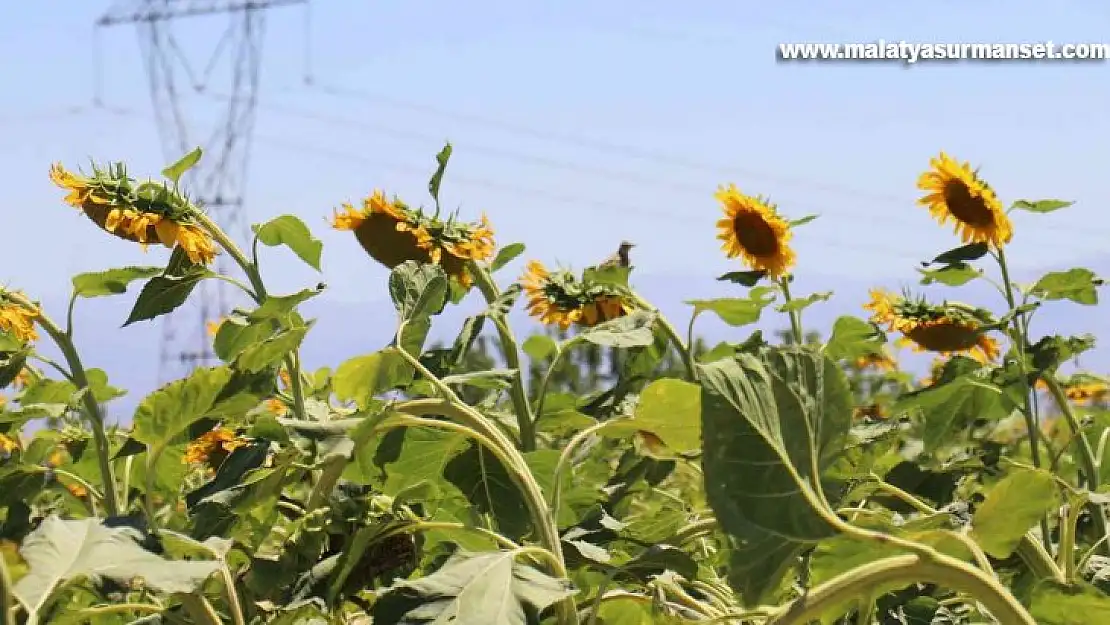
694,530
542,396
292,361
92,407
7,597
945,571
673,336
200,609
564,459
510,350
1086,454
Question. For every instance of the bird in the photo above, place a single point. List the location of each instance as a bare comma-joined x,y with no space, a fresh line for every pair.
620,258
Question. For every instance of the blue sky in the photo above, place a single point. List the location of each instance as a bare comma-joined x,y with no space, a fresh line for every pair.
576,124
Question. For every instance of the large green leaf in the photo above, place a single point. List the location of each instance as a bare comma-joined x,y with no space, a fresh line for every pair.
167,412
1011,508
471,589
1040,206
1079,285
633,330
949,407
110,282
165,293
956,274
59,551
736,311
1078,604
671,410
290,231
418,290
853,337
770,425
487,485
505,255
362,377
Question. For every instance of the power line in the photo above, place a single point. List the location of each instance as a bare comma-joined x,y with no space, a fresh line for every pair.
639,153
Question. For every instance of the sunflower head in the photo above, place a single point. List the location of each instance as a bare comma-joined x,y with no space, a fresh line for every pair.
559,298
948,328
880,361
213,447
753,230
1085,389
16,318
391,233
142,213
954,192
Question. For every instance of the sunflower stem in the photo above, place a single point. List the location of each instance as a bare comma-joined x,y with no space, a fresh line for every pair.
541,396
8,603
452,406
92,407
672,335
292,360
525,418
795,315
1086,455
1021,339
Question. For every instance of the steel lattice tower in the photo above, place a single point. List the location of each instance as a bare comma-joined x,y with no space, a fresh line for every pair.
218,182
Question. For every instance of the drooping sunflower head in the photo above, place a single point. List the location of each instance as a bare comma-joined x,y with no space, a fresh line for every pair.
16,319
955,192
559,298
213,447
391,233
753,230
948,328
143,213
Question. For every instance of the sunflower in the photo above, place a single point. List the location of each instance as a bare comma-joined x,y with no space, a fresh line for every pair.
956,192
948,328
141,213
213,447
558,298
276,407
18,320
8,444
753,230
391,233
1083,389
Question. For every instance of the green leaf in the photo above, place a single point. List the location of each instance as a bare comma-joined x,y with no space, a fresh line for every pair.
743,278
490,490
671,410
853,337
1050,352
634,330
101,390
471,589
802,303
469,333
506,255
956,274
803,221
236,334
540,347
1078,285
164,294
948,408
1011,508
418,290
110,282
290,231
735,311
183,164
1040,206
770,425
167,412
441,166
278,306
259,356
964,253
1081,603
59,551
494,379
362,377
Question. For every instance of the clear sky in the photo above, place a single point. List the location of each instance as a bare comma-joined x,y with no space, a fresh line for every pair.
577,124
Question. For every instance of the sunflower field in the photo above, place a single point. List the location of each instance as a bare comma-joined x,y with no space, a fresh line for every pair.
787,480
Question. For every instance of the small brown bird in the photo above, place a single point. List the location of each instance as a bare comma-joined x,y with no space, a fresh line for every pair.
620,259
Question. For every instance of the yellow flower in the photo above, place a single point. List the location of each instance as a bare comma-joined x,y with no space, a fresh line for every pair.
77,490
8,444
559,299
18,320
276,407
876,412
213,327
283,377
213,447
753,230
945,329
1083,389
392,233
956,193
112,202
